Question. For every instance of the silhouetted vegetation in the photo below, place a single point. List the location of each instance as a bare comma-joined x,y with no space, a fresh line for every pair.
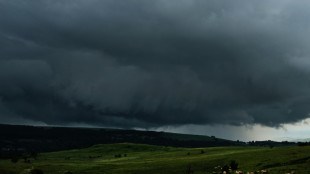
270,143
33,154
303,143
189,170
225,169
32,171
15,159
36,171
118,156
234,165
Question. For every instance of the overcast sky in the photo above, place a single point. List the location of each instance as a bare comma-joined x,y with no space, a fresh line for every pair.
177,65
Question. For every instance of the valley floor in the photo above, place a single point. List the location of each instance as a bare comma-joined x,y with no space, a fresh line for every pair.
128,158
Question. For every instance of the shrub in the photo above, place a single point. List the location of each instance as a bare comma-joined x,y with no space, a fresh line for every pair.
14,159
189,170
225,168
36,171
32,171
34,155
118,156
233,165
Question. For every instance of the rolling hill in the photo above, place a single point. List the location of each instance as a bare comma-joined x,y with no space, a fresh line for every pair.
129,158
48,139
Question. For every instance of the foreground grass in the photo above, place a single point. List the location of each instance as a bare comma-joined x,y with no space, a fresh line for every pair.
161,160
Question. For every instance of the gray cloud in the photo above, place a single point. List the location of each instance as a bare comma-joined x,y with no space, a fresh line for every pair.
155,63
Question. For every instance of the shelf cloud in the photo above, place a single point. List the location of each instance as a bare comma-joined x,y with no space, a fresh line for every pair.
154,63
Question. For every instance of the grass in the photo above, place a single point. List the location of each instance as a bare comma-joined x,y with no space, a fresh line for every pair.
161,160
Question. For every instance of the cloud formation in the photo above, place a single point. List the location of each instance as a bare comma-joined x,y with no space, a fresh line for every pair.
155,63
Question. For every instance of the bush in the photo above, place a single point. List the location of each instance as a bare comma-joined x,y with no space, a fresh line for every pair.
118,156
34,155
189,170
14,159
32,171
225,168
36,171
233,165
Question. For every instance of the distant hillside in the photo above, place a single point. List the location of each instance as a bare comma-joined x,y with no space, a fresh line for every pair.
46,139
291,139
61,138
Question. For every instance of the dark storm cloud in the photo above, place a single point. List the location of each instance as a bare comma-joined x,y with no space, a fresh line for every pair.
154,63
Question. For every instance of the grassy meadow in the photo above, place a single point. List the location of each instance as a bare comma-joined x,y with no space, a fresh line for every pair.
140,158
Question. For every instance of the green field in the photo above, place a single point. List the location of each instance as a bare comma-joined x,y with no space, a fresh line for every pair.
159,159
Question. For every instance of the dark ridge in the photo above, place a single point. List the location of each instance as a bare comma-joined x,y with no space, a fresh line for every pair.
46,139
